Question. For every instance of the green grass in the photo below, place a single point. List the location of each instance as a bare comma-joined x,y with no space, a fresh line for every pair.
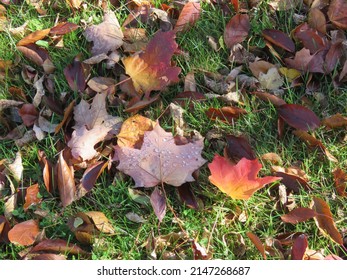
211,225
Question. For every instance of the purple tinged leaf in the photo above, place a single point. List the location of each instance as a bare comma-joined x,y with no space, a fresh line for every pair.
158,202
299,247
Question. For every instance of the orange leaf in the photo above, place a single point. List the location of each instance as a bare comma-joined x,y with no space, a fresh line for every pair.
257,242
225,114
325,221
31,196
151,70
132,131
33,37
335,121
238,181
24,233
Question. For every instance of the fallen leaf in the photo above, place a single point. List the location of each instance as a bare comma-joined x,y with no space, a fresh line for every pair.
200,252
158,202
34,37
160,160
29,114
258,244
325,220
63,28
16,167
74,74
298,117
24,233
298,215
186,194
58,246
316,19
238,181
279,39
225,114
66,181
335,121
106,36
337,13
177,112
92,125
238,147
333,57
313,142
47,172
132,131
91,174
188,16
304,61
237,29
100,221
67,115
152,70
4,104
311,39
340,181
272,157
290,73
260,66
4,229
32,196
271,80
299,247
136,218
265,96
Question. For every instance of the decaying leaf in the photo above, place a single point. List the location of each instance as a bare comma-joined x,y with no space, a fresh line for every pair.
271,80
325,221
152,70
93,124
238,181
24,233
160,160
107,36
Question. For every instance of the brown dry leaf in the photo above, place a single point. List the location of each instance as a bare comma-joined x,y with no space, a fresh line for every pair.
279,39
271,80
4,229
32,196
311,141
257,242
340,181
92,125
24,233
272,157
29,114
225,114
132,131
58,246
101,222
106,36
304,61
335,121
66,181
325,220
260,66
91,174
34,37
316,19
265,96
67,115
177,116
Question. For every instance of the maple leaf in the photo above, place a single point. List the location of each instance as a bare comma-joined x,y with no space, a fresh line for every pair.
238,181
107,36
152,70
160,159
93,124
